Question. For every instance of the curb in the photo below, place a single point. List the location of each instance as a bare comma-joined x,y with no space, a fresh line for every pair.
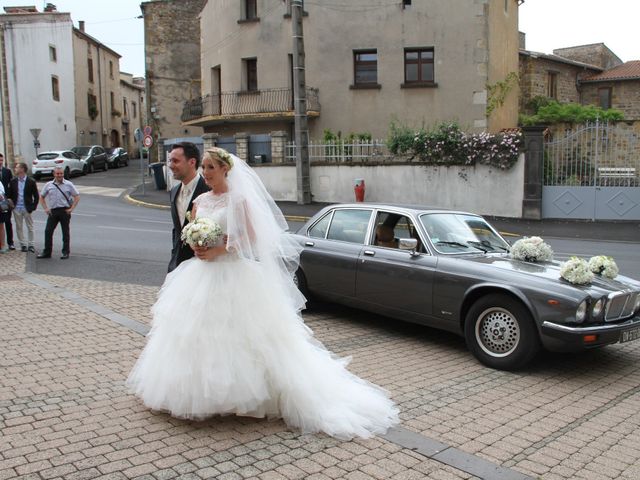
129,199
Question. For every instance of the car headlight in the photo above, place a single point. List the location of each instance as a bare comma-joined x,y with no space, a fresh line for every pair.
581,312
597,308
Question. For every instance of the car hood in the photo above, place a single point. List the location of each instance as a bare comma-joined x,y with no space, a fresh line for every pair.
549,272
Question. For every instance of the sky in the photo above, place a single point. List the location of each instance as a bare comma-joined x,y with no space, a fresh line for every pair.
548,24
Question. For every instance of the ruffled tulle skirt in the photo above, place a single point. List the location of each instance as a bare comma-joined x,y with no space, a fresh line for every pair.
225,339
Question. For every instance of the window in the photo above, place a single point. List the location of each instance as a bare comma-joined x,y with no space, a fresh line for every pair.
418,66
55,88
552,85
349,225
604,98
110,69
250,9
391,227
134,109
90,69
92,105
319,230
125,107
53,55
251,74
406,3
113,100
365,67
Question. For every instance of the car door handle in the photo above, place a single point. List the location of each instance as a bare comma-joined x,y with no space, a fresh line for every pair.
309,244
370,253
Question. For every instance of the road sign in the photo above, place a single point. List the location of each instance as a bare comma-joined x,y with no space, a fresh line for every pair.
147,141
137,134
147,130
35,132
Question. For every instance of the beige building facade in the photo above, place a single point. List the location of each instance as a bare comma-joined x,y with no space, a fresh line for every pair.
98,97
418,63
133,111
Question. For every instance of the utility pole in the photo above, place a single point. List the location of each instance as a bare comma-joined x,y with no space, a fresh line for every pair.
300,102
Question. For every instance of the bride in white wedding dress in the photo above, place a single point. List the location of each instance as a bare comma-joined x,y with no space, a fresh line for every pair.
227,336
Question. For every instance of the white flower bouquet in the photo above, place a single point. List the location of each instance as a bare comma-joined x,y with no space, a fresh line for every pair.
603,265
201,232
576,270
531,249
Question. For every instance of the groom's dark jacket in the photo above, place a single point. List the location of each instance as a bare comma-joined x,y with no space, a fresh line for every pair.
180,252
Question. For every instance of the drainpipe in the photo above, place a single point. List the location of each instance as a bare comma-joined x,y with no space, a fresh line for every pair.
100,96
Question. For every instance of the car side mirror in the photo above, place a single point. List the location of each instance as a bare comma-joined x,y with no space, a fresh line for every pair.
410,244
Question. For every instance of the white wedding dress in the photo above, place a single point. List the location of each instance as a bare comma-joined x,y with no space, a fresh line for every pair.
226,339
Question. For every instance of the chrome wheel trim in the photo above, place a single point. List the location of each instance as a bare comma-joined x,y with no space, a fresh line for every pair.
497,332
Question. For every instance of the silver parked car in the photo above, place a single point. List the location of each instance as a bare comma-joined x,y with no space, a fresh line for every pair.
45,162
452,270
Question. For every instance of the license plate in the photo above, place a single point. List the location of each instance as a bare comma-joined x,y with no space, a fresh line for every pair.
630,335
44,172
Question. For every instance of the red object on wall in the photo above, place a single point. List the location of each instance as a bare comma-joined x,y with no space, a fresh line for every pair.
359,190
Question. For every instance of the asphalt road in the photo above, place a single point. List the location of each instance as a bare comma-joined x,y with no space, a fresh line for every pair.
116,241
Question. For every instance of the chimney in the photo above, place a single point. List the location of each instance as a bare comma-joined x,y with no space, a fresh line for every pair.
81,25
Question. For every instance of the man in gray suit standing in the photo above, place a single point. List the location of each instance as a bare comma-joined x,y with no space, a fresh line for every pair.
184,161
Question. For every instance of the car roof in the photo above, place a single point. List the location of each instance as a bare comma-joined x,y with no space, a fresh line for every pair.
57,152
408,208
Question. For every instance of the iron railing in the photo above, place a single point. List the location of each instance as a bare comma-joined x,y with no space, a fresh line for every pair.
359,151
272,100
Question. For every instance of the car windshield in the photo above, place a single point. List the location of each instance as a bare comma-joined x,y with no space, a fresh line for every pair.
82,151
111,150
47,156
461,233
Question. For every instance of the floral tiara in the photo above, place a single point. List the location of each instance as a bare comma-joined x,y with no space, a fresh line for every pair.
222,154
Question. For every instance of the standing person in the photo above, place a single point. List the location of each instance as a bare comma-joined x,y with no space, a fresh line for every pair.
5,178
3,217
227,336
184,161
23,190
59,197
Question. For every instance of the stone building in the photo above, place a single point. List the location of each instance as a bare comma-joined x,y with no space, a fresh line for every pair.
617,87
33,41
98,97
418,62
597,54
133,111
172,64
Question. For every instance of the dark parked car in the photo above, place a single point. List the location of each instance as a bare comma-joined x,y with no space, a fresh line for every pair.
452,270
93,156
117,157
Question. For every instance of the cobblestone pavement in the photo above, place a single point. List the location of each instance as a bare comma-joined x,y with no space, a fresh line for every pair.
64,411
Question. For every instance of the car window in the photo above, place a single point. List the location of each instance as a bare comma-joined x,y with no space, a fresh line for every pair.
349,225
319,230
69,155
82,151
47,156
391,227
99,150
461,233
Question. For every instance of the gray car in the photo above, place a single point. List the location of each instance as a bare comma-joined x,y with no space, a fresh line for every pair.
452,270
93,156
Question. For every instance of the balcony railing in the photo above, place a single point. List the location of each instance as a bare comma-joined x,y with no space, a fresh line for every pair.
273,100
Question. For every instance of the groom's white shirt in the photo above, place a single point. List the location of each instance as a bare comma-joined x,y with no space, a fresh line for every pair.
184,197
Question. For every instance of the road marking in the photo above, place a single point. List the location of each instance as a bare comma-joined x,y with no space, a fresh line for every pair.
76,214
153,221
132,229
100,191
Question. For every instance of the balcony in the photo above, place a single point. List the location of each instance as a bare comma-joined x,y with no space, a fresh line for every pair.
268,104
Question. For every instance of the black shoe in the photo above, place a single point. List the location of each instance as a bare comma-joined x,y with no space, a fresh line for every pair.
31,249
43,255
64,256
23,248
11,247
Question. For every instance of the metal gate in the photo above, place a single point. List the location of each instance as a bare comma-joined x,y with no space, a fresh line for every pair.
228,143
592,173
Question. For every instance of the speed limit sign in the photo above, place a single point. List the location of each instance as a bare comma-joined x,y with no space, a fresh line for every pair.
147,141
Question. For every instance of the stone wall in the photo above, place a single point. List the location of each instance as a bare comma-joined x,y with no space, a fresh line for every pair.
595,54
172,62
625,96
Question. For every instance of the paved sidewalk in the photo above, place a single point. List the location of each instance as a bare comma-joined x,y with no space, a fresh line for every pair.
578,229
68,344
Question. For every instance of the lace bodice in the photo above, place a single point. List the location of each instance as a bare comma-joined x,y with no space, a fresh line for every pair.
213,207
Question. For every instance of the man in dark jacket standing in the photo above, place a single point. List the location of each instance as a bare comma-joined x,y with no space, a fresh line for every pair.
5,178
23,190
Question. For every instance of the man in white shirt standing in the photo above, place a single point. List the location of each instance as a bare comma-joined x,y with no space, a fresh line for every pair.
184,161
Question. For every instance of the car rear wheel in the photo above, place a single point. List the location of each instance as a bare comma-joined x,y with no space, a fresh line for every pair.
105,167
301,282
500,332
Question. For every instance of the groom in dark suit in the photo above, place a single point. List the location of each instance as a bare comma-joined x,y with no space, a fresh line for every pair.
184,160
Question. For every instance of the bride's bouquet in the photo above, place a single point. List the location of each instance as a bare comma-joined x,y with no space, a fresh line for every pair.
201,232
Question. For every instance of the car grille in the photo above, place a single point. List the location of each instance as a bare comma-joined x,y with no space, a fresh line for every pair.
620,306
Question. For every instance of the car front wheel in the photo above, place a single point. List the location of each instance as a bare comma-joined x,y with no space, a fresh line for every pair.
91,168
67,173
500,332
